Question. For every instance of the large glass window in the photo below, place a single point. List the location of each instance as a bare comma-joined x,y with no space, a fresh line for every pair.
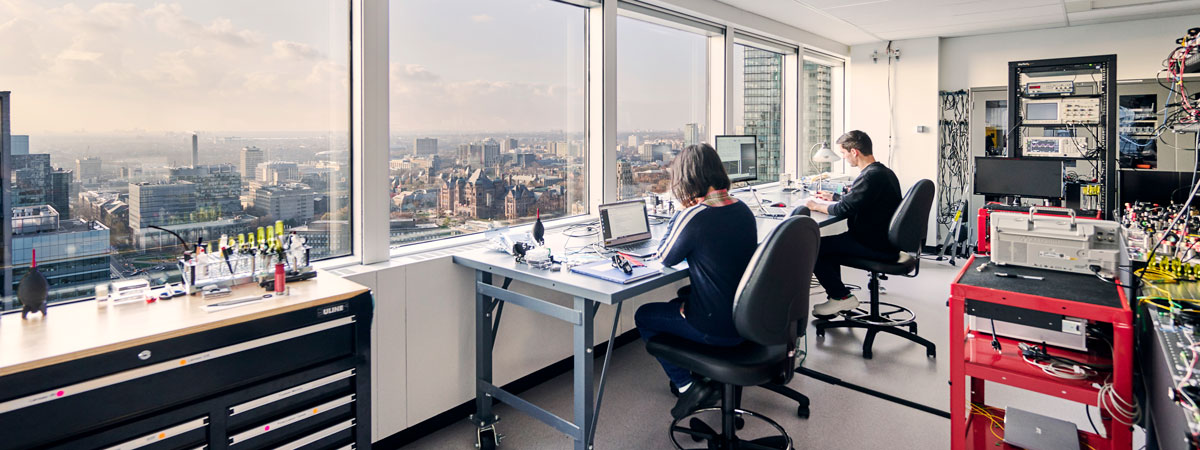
487,115
822,111
662,101
758,105
205,118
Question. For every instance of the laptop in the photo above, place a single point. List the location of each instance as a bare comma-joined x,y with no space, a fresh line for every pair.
1037,432
625,228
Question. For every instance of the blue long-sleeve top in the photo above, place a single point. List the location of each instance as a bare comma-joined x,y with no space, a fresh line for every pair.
717,242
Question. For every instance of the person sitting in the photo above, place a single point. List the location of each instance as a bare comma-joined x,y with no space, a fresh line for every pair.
716,234
867,207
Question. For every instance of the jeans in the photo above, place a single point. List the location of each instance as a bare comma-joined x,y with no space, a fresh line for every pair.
653,319
829,268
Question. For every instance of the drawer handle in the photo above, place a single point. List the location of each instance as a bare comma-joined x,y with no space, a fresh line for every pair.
290,419
159,436
317,436
289,392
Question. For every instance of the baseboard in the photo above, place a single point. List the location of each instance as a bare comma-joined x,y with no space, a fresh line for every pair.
460,412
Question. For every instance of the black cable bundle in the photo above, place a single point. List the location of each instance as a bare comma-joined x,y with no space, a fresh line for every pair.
954,154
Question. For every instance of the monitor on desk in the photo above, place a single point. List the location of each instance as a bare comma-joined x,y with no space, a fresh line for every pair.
1037,178
739,154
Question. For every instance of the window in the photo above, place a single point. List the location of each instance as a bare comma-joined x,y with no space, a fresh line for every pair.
822,103
662,101
487,115
206,118
758,104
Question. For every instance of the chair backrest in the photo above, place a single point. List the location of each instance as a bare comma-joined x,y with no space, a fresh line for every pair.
910,222
773,294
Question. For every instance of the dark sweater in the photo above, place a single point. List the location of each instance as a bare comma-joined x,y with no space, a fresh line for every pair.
869,205
717,243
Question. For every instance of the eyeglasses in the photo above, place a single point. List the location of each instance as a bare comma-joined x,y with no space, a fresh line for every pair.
623,264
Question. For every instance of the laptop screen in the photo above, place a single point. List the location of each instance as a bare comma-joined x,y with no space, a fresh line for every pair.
624,222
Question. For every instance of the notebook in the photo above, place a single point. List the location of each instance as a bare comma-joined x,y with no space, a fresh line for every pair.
604,270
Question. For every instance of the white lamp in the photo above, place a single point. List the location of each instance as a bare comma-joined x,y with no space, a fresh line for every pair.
824,155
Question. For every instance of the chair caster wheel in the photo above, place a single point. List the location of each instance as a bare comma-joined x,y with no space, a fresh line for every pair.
739,423
802,412
699,425
931,354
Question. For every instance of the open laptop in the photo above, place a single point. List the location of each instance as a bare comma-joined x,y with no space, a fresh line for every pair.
1037,432
625,227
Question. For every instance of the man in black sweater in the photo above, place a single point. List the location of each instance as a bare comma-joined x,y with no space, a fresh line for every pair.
868,209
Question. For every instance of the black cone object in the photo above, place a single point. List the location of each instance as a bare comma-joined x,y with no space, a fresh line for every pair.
539,230
33,290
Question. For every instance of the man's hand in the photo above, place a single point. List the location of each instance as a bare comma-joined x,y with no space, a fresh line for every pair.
818,207
825,195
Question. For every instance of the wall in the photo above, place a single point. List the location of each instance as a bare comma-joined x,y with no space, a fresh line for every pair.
914,93
1140,46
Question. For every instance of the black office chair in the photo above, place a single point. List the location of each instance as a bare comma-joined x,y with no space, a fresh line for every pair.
906,232
771,299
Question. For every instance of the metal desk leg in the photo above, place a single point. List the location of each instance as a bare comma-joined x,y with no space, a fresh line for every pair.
483,417
584,377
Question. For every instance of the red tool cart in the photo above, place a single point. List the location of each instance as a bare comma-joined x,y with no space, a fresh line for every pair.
973,360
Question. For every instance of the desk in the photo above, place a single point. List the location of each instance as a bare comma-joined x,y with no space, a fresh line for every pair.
287,371
589,293
830,225
973,360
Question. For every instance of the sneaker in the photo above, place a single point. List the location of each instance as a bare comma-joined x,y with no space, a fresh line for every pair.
833,307
701,394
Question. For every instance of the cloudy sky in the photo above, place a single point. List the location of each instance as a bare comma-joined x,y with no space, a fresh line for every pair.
281,65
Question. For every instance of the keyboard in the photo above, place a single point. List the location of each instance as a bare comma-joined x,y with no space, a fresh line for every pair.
638,248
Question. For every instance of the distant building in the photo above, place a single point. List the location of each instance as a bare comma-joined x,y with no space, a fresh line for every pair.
692,134
325,237
73,255
160,204
195,150
251,158
646,151
285,202
425,146
88,170
626,188
491,153
217,187
764,108
508,145
277,172
519,202
191,231
20,144
34,182
634,140
476,197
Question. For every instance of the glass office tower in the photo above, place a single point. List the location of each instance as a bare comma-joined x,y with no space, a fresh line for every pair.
764,108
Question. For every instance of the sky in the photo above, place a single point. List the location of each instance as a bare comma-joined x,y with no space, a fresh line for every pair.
282,65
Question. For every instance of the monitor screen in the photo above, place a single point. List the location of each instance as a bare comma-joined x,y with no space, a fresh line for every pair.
739,154
1019,177
1041,111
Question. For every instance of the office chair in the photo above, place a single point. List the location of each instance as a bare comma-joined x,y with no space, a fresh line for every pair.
771,299
906,232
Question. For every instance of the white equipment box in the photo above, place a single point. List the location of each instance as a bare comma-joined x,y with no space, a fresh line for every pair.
1066,244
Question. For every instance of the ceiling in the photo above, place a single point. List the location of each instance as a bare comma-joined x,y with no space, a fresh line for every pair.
864,21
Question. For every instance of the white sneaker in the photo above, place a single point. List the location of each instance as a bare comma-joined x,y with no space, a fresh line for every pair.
832,307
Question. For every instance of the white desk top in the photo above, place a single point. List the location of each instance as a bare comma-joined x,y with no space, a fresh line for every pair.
79,330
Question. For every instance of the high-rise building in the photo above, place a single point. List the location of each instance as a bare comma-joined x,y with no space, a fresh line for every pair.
74,254
692,134
34,182
88,170
491,153
470,154
763,89
20,144
425,146
285,202
251,158
646,151
508,145
818,114
276,172
626,188
160,204
5,202
195,150
634,140
218,188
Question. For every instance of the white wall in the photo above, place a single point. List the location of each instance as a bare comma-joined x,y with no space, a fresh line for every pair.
1140,46
914,94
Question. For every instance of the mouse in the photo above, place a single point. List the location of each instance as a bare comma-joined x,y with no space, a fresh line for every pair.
778,205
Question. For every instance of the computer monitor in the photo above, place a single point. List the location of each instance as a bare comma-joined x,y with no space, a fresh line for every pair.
1019,177
1156,186
739,154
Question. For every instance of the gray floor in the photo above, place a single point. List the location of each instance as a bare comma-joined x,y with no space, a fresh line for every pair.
636,405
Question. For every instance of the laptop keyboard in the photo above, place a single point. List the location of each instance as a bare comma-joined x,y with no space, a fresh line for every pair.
646,245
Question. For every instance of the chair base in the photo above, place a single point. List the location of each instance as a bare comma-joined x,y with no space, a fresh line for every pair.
732,419
802,401
876,328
